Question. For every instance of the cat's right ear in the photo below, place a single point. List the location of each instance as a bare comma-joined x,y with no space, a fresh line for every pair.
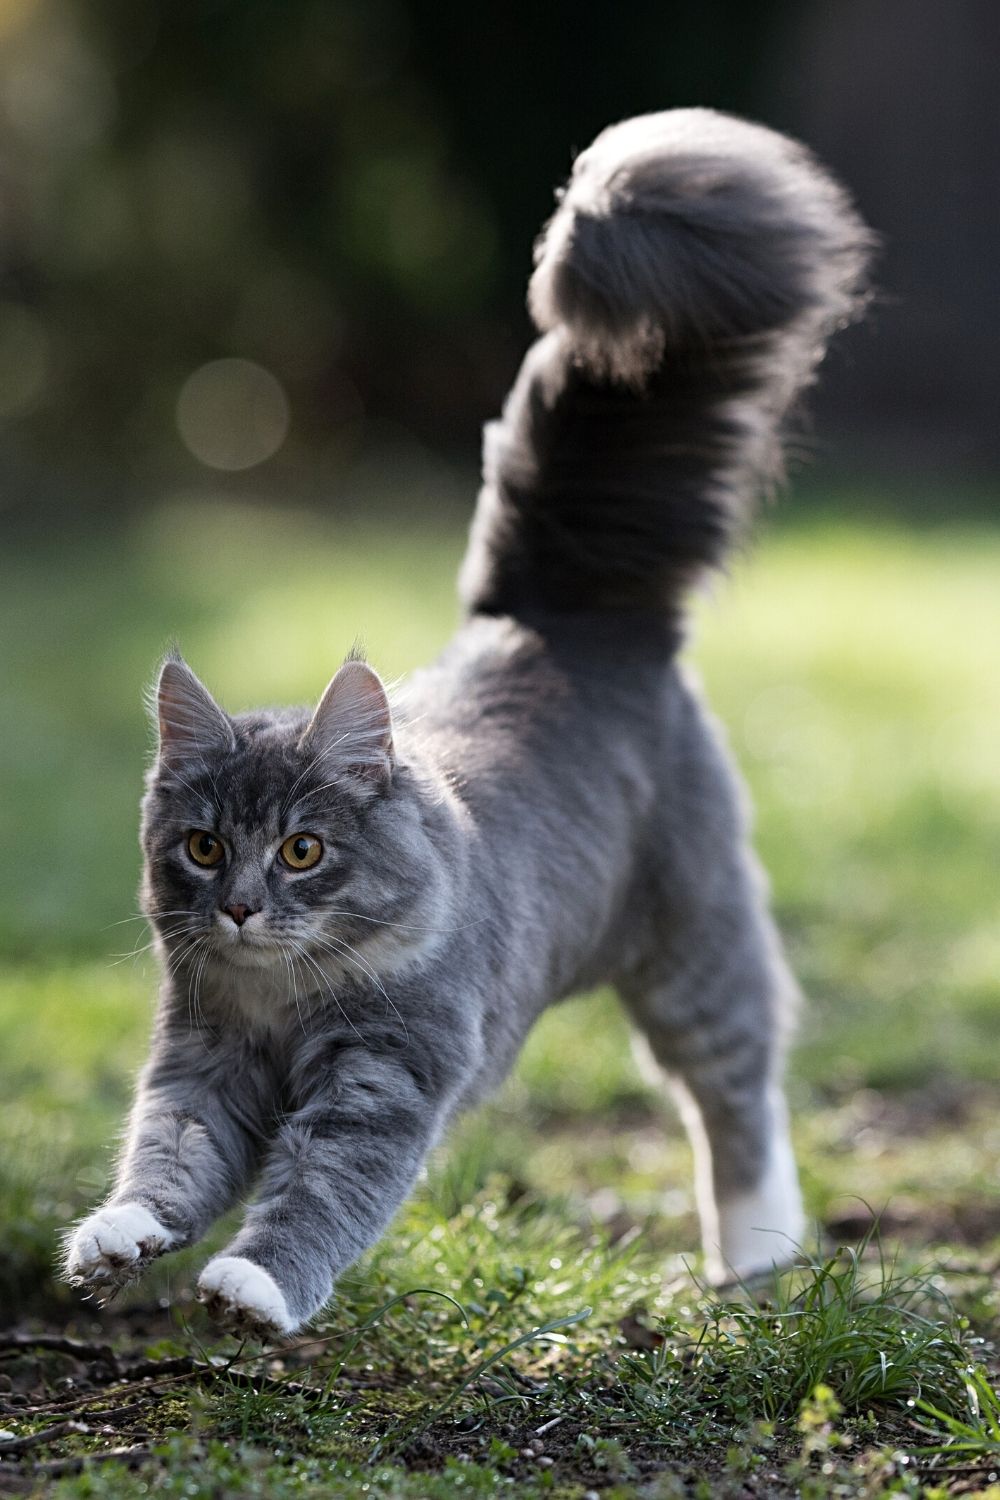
191,724
351,729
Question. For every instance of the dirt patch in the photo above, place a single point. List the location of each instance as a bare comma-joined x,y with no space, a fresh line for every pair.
973,1222
945,1103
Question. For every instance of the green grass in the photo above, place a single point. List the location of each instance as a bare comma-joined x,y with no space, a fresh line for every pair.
853,665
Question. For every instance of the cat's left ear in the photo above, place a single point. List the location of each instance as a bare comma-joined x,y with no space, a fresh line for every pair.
191,724
352,726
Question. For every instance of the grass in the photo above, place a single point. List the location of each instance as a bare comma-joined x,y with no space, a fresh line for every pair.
852,662
979,1436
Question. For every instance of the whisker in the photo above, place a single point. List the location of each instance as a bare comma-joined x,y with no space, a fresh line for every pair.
136,952
410,926
142,916
345,950
361,963
326,987
175,961
199,1013
340,947
289,965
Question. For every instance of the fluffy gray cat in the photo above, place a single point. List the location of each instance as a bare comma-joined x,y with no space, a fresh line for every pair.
361,911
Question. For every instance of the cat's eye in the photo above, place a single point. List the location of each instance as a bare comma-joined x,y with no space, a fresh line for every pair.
205,848
301,851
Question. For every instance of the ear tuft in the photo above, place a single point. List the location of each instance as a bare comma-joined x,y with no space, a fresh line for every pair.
351,729
191,724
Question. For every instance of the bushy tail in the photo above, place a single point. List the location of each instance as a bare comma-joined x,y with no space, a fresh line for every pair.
685,288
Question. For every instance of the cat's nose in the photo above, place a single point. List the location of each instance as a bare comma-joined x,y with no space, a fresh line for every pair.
238,913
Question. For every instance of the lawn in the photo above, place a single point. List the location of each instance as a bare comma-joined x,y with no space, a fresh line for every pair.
852,660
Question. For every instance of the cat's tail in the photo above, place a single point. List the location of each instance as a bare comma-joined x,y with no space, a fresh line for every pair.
685,289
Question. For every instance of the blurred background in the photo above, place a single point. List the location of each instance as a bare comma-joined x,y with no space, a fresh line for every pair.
255,245
262,269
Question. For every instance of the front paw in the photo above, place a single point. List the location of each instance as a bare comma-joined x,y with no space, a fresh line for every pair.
114,1245
243,1299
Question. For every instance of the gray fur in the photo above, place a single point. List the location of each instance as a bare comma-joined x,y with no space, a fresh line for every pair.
550,807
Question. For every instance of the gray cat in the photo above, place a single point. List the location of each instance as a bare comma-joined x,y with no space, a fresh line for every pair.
361,911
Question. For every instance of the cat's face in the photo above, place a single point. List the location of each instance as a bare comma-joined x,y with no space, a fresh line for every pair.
278,842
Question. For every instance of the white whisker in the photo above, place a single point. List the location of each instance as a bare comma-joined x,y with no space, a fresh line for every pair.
361,963
290,966
325,986
404,926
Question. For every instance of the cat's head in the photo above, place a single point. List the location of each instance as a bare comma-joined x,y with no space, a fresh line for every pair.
285,840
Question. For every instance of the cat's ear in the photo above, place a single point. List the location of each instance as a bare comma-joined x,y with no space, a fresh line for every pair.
191,724
352,726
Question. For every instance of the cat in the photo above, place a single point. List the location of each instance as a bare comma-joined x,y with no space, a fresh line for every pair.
360,911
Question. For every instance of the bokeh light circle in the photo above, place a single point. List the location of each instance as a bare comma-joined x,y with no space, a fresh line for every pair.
232,414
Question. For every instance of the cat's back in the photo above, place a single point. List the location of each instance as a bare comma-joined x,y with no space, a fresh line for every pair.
551,707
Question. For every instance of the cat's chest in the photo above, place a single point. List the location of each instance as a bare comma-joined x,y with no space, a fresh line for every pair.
261,1002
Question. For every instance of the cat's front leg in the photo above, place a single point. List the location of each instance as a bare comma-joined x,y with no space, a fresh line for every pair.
186,1158
114,1245
335,1175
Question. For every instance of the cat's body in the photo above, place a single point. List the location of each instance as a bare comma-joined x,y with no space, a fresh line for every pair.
361,918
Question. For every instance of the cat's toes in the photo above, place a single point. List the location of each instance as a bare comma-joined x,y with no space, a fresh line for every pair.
112,1246
243,1299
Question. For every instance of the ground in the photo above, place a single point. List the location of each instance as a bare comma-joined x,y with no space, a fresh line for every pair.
534,1324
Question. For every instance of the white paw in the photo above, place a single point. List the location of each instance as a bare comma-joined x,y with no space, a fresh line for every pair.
760,1231
243,1299
115,1244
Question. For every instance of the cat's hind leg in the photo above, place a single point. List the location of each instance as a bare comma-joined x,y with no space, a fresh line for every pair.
715,1028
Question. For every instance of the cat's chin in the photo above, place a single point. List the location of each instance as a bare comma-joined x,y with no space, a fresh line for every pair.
245,955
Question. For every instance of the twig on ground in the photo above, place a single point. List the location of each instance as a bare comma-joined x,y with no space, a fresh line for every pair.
179,1364
548,1426
35,1439
112,1416
56,1466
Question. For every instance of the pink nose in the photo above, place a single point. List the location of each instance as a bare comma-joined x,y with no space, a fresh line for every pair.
239,914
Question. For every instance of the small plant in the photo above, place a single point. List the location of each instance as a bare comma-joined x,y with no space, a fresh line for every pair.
870,1333
977,1435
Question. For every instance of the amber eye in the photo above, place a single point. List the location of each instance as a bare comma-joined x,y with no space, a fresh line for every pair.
301,851
205,848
